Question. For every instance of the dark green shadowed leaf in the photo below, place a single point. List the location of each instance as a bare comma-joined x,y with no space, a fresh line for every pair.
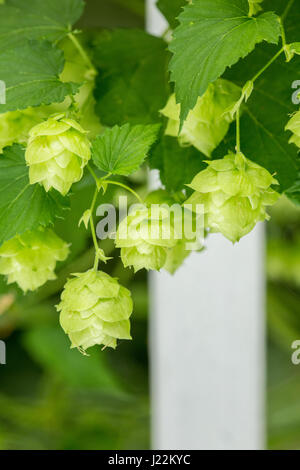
132,85
24,206
178,165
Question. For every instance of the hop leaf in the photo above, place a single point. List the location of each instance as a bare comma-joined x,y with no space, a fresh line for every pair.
30,259
95,309
144,238
234,192
58,150
294,126
208,123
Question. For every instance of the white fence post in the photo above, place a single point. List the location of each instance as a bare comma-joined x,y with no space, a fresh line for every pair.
207,342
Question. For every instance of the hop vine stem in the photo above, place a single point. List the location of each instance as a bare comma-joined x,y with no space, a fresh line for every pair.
81,51
92,225
98,182
116,183
238,132
287,9
124,186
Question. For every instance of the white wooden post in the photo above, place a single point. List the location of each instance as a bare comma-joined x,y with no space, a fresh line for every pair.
207,342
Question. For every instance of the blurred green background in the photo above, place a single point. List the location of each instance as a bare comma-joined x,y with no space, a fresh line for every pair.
55,398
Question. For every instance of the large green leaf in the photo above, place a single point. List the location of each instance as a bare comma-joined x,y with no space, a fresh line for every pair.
214,35
121,150
24,206
31,74
36,19
132,85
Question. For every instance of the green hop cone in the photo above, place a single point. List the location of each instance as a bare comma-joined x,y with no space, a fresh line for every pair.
95,309
30,259
144,237
187,240
176,257
58,150
234,192
294,126
208,123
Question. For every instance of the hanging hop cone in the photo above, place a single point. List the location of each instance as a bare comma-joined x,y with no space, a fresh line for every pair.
144,237
234,192
294,126
95,309
208,123
30,259
58,150
189,240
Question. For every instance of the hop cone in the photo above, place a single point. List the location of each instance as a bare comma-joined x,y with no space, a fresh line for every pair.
15,125
294,126
208,123
95,309
144,238
234,192
188,240
57,151
30,259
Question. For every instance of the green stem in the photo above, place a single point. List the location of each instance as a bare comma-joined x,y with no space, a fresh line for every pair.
117,183
93,174
283,36
238,132
92,225
261,71
287,9
81,51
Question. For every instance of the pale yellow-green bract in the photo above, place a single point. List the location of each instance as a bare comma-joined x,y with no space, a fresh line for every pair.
145,238
234,192
95,309
15,125
208,123
30,259
294,126
58,150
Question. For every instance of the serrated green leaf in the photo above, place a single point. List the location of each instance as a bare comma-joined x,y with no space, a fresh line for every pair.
214,35
31,75
132,84
121,150
24,206
177,164
171,9
35,19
